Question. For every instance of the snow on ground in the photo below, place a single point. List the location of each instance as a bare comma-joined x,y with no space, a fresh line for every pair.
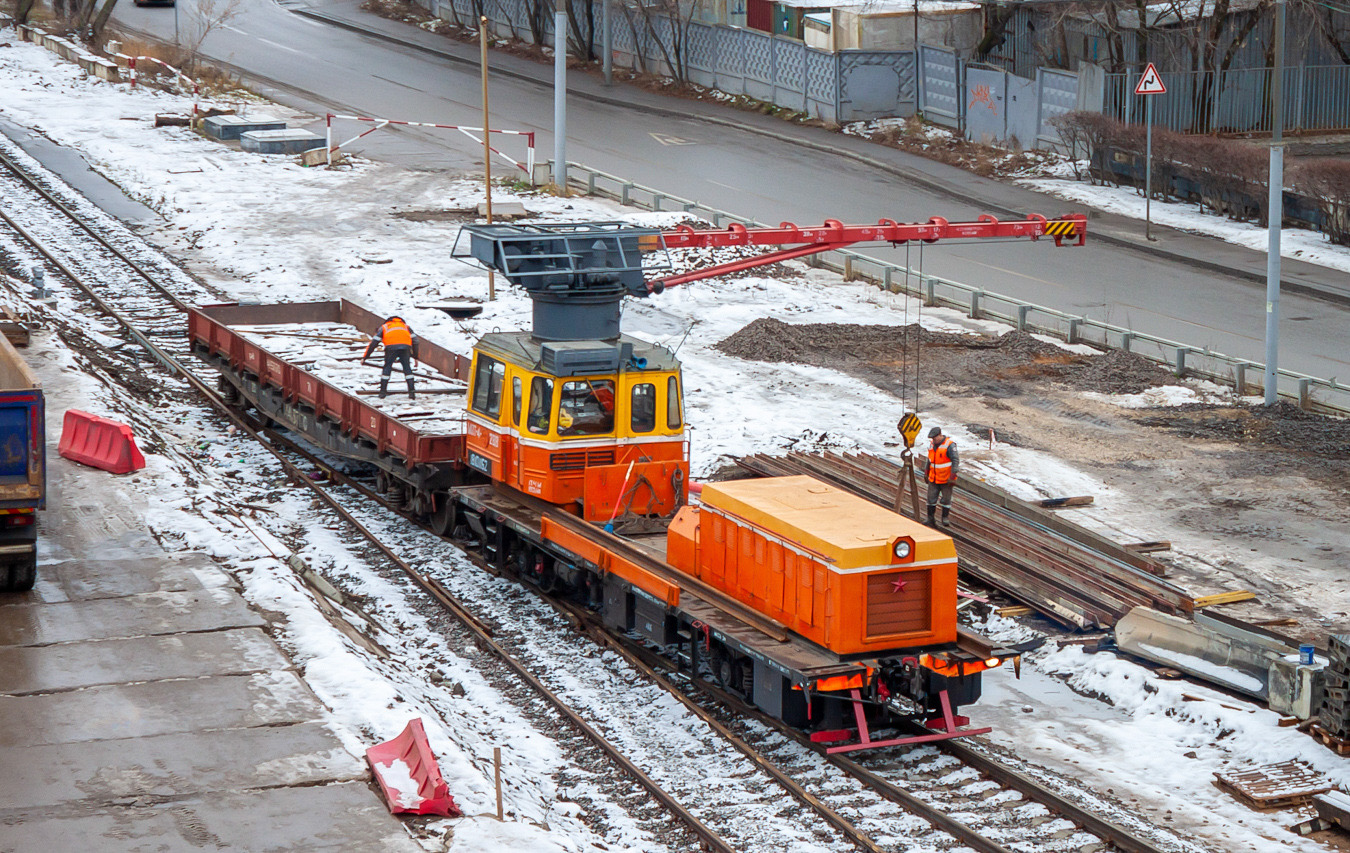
262,228
1295,243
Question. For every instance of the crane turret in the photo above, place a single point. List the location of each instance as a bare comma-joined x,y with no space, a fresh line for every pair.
577,274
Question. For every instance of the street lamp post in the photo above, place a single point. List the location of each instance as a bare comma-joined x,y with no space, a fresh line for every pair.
560,95
1275,219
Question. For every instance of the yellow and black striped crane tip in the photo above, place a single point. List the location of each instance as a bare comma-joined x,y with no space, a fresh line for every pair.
1061,228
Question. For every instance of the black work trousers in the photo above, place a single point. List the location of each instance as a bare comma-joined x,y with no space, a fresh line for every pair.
402,353
940,493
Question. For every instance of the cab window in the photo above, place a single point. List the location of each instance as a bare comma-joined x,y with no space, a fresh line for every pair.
586,407
541,405
515,400
487,386
644,407
674,412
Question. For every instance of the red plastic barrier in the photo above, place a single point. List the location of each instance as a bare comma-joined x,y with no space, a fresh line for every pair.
99,442
408,774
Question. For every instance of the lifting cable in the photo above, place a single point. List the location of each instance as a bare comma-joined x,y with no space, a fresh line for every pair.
904,335
918,333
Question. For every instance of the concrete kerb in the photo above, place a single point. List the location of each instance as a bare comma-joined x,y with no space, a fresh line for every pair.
911,175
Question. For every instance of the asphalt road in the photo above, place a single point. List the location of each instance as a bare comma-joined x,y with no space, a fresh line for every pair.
320,67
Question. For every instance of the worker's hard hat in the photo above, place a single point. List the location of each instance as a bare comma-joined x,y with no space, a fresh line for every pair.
935,432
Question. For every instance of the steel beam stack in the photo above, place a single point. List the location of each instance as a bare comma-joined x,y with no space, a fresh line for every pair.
1334,715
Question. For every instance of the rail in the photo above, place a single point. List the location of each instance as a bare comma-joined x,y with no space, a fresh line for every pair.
1244,376
483,635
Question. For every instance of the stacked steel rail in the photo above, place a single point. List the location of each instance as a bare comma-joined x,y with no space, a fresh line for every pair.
1069,574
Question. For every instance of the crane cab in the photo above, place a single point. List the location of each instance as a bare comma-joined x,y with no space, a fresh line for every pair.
595,427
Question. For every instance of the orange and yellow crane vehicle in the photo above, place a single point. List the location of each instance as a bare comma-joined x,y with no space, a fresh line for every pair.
813,605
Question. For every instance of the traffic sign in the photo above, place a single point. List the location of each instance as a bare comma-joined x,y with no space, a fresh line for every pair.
1150,83
909,427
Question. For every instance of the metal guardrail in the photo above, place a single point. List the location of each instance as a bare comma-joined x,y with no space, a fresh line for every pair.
1310,393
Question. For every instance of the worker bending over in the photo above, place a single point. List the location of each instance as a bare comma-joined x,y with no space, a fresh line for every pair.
397,338
942,466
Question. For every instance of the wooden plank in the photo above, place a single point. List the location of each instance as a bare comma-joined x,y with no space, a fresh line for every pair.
1060,503
1224,598
1016,610
1272,786
1333,807
1149,547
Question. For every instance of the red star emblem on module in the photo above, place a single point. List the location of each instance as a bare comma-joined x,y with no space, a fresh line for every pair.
898,585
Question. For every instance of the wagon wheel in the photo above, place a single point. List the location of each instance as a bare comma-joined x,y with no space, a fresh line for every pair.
728,672
416,503
229,394
443,516
381,481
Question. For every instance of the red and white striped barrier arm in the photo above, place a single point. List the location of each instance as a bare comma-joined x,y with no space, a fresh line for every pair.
527,167
178,75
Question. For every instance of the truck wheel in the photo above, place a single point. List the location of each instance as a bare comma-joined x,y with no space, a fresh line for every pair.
19,577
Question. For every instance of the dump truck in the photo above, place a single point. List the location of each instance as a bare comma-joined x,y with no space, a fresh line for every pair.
23,469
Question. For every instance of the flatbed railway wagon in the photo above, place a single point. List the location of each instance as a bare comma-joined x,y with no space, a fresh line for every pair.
817,607
23,469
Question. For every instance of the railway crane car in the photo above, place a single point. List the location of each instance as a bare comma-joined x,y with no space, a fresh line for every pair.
819,608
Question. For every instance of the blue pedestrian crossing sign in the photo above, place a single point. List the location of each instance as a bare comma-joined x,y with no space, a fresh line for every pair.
1150,83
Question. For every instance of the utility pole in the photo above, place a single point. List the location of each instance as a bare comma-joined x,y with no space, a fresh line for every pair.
608,40
1276,218
560,96
487,145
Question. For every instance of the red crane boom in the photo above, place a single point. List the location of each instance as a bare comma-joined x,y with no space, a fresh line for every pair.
836,235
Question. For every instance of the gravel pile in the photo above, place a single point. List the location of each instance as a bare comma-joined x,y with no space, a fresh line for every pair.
982,364
1118,372
1283,425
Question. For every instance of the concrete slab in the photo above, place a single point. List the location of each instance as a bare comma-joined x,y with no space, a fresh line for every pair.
155,712
156,708
81,580
345,816
147,614
176,765
68,666
280,141
230,127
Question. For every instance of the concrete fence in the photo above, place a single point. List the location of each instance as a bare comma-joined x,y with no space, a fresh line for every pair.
836,87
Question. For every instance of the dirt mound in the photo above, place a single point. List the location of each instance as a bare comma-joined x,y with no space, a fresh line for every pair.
883,355
1283,425
1118,372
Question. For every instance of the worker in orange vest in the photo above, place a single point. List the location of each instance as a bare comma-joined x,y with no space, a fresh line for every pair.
942,466
397,338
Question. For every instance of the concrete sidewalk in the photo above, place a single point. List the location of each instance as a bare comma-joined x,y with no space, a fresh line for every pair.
997,197
143,705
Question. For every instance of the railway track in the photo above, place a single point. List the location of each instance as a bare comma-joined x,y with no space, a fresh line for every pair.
851,804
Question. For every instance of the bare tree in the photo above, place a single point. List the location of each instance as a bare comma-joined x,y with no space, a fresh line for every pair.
206,17
95,28
22,9
667,24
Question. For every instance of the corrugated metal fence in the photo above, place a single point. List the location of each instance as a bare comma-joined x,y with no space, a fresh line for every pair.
1315,98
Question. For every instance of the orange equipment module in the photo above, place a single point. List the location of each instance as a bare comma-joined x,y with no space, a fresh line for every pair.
840,571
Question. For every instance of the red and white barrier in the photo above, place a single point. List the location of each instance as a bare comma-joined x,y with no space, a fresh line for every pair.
178,75
99,443
527,167
409,776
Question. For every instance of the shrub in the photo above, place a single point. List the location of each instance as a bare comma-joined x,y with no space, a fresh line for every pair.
1326,181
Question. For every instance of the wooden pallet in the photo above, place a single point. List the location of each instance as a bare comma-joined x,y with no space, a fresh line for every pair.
1274,786
1340,746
